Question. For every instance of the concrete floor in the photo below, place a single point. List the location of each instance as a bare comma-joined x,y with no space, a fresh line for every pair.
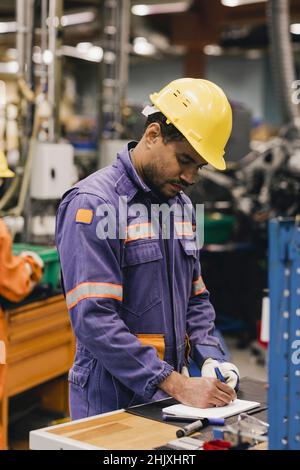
246,361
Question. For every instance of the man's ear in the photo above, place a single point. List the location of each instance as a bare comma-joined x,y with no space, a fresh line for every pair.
152,133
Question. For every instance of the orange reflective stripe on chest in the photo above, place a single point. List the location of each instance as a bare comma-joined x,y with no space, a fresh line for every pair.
184,229
137,231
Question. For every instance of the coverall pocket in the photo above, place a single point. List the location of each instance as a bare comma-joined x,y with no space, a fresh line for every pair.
142,276
78,382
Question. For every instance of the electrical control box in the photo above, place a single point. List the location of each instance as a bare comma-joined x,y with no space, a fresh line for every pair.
53,171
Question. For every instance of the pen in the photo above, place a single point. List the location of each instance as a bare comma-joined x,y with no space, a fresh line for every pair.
193,427
178,418
211,421
216,421
219,375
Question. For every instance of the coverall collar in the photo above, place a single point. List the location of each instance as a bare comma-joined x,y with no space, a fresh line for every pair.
129,182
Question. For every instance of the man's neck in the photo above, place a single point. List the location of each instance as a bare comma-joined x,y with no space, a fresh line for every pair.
135,163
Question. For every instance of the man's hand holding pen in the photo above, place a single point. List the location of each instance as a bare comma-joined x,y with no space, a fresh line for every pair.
201,392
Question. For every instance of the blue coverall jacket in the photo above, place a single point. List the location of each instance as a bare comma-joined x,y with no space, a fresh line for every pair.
135,302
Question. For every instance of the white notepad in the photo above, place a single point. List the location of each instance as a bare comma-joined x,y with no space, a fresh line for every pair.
234,408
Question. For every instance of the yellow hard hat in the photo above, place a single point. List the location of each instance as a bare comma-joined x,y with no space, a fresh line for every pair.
5,172
200,110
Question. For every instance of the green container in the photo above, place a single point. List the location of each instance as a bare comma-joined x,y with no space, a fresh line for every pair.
51,261
218,228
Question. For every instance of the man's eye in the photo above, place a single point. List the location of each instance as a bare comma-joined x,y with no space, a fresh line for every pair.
184,160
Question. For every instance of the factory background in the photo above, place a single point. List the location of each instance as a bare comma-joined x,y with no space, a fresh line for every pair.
74,78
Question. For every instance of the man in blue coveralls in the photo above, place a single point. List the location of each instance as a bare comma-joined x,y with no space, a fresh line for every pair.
137,301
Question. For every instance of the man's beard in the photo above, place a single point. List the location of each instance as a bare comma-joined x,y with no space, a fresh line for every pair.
151,180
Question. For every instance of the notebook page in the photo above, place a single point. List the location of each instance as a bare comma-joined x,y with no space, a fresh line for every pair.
234,408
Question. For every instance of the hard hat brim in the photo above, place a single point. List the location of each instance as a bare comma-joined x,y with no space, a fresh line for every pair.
216,161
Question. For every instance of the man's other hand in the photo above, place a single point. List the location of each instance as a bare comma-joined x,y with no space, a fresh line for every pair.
228,370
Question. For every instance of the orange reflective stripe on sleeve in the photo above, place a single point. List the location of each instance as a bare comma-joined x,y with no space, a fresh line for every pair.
87,290
198,286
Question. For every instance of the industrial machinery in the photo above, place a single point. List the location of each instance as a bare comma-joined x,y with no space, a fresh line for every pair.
264,183
45,165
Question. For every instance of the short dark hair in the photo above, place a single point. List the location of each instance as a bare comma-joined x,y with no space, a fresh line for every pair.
168,131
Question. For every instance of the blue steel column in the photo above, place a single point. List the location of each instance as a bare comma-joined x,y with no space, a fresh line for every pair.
294,357
284,372
278,346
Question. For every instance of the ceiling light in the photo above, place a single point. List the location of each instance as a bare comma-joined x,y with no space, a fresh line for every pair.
238,3
212,49
78,18
2,94
111,30
109,57
142,47
37,55
95,54
83,47
47,56
140,10
52,21
9,67
160,8
8,26
90,52
13,66
295,28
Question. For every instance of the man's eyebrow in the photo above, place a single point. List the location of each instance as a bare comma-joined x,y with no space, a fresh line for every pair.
186,155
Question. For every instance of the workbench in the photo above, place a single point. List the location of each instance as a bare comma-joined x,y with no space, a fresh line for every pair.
40,347
138,428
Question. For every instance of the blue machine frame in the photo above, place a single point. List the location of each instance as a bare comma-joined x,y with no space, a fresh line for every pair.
284,346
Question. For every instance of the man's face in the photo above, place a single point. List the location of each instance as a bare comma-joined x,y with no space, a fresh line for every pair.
170,167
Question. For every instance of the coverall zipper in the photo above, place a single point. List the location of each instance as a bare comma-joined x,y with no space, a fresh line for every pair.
170,285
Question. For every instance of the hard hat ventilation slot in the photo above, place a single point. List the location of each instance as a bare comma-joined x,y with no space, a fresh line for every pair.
175,94
178,92
185,104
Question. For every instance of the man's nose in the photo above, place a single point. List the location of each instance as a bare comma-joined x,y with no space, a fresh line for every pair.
189,175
